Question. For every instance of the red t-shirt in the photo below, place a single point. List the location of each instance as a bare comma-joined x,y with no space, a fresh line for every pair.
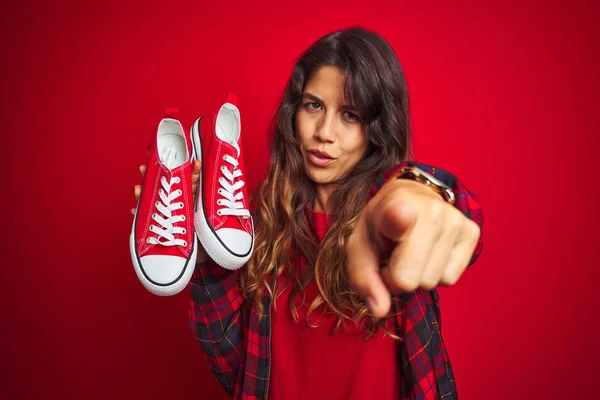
311,363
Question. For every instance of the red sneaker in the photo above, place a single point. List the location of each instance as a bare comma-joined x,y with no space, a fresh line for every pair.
222,219
163,242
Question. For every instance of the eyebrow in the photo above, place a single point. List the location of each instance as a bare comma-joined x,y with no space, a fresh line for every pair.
311,96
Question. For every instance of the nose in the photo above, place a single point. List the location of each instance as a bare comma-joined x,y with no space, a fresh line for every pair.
325,130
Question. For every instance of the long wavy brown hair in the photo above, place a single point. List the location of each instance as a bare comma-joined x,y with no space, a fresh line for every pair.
374,85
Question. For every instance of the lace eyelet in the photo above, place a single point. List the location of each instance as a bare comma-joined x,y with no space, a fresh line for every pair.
183,232
183,218
184,243
219,212
148,241
157,204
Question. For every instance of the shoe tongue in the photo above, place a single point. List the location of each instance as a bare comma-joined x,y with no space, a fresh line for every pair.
221,136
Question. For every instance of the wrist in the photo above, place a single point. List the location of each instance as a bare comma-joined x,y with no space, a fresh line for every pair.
407,185
427,181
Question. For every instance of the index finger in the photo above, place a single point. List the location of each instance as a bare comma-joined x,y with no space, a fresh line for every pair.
364,270
196,168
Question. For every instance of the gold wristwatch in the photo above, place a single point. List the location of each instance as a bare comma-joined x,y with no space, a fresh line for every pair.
428,180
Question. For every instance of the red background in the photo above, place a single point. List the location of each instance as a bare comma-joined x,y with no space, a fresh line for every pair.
505,95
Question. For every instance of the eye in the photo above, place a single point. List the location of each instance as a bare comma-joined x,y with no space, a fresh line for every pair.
351,116
311,105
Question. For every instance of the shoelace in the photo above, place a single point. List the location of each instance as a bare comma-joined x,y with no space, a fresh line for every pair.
231,204
164,217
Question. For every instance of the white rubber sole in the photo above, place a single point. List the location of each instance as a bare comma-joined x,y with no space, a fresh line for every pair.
208,238
162,290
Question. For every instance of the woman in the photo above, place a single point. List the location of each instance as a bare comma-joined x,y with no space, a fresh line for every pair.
313,314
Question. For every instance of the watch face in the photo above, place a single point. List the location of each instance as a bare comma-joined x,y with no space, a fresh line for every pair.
437,181
433,180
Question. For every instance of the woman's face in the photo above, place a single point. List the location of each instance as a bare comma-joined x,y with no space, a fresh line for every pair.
332,138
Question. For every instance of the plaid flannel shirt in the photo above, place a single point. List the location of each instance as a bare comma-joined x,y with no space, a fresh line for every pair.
236,342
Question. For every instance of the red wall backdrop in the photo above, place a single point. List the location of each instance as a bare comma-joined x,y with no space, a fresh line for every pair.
504,94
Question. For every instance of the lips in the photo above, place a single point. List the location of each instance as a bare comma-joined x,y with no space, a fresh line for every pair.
319,158
321,154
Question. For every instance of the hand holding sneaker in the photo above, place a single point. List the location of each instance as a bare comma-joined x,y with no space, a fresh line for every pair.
222,221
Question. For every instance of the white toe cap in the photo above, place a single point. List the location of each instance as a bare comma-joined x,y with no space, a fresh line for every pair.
162,270
237,241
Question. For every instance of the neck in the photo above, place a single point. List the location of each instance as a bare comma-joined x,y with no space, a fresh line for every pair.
322,199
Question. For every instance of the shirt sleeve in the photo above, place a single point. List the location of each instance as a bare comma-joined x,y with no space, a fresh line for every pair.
216,320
